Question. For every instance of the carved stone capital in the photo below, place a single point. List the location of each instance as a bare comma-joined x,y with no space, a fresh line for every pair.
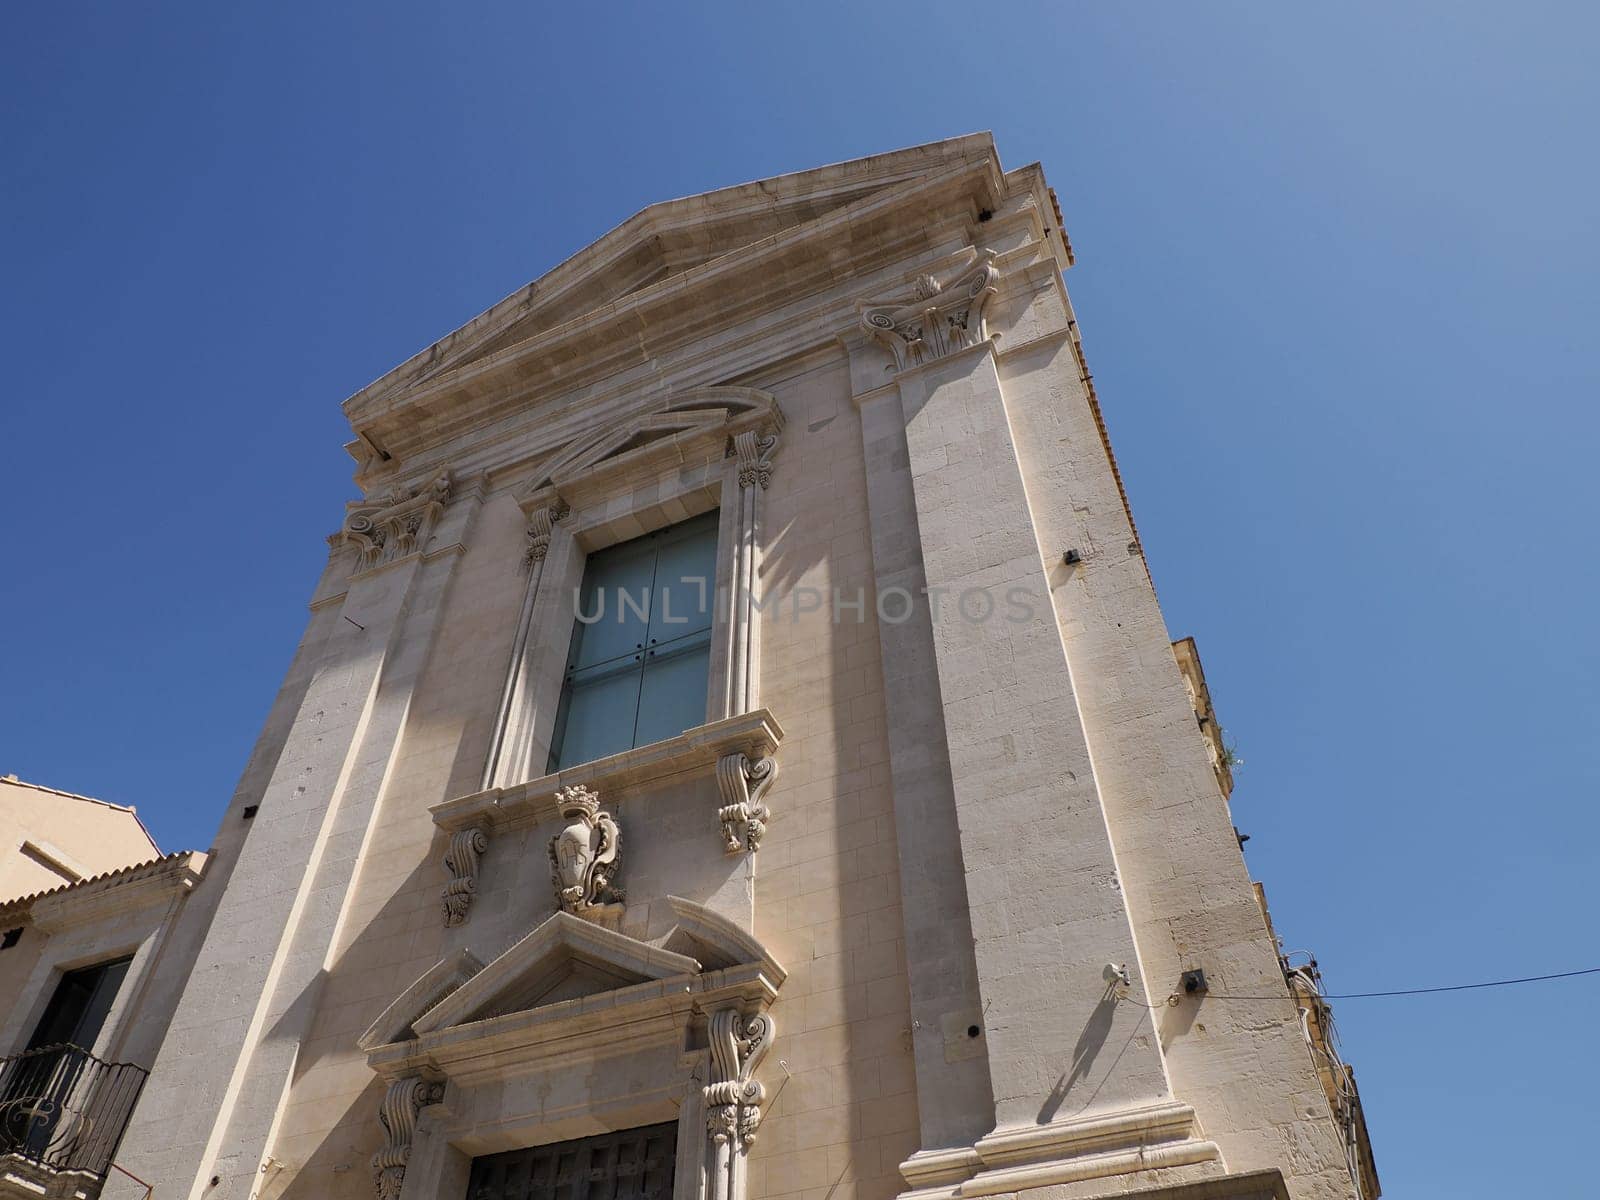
743,782
733,1098
541,521
585,855
397,524
754,450
398,1115
461,860
936,319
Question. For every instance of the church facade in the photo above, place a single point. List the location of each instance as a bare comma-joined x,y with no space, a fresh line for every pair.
736,752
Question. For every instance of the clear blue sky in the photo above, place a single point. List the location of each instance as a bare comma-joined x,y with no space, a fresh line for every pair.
1337,275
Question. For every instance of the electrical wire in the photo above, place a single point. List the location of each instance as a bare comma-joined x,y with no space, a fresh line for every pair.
1424,991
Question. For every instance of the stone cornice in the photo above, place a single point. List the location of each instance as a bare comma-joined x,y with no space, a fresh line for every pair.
694,752
807,327
647,324
678,235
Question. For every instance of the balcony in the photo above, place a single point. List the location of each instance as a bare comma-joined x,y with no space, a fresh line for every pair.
62,1113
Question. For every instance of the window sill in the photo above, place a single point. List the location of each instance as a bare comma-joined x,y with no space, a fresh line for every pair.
693,752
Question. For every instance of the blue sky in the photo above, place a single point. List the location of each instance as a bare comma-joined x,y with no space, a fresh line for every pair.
1337,282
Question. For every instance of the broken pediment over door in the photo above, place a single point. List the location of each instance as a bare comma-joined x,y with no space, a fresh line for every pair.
578,1028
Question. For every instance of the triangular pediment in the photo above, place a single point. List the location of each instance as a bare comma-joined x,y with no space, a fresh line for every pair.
650,248
707,414
562,959
612,302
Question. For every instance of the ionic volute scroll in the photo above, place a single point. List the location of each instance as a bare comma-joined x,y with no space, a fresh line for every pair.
391,526
743,782
541,520
461,860
397,1113
937,318
754,450
734,1096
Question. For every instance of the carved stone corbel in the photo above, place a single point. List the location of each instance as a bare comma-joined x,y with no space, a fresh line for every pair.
936,319
398,1116
540,522
586,856
733,1098
461,860
397,524
754,450
743,782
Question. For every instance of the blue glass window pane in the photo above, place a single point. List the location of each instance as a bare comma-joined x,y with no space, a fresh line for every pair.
598,716
673,696
639,665
686,582
616,589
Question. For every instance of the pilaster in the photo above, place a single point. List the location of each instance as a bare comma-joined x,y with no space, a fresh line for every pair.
954,1102
1046,916
232,1045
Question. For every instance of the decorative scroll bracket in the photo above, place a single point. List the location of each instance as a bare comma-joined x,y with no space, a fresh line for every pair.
461,860
540,522
754,450
586,856
938,319
398,1116
743,782
397,524
733,1098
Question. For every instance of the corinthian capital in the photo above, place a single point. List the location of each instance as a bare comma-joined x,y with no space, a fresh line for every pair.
397,524
937,318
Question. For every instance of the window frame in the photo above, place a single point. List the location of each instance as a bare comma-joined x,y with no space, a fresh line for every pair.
610,487
637,662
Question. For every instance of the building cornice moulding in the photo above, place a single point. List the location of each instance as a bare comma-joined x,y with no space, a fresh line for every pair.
648,325
777,197
755,734
540,426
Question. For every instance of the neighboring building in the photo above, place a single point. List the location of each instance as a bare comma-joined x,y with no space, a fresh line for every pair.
736,752
48,838
87,905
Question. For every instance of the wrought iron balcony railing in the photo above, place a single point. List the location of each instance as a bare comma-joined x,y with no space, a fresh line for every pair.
65,1109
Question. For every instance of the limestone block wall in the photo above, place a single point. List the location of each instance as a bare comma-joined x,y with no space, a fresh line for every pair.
825,882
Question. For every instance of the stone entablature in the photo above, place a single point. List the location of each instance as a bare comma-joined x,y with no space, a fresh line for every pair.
493,375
